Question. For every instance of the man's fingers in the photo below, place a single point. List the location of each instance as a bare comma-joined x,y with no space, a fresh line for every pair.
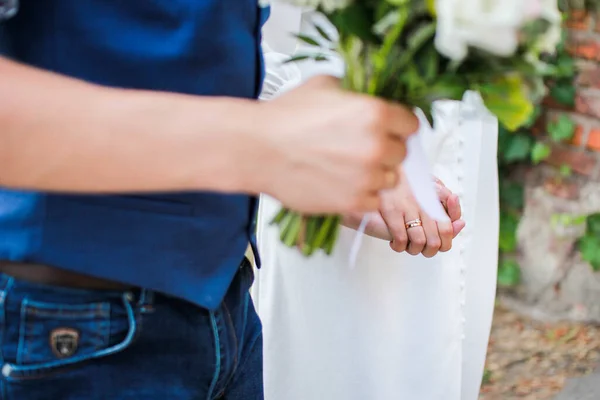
386,178
368,202
402,122
395,153
324,81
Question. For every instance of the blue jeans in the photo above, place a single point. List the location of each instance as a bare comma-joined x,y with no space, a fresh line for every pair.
73,344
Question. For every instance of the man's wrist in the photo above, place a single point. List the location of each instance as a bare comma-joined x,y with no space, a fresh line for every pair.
235,148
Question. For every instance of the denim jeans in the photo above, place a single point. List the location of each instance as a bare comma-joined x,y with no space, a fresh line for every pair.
73,344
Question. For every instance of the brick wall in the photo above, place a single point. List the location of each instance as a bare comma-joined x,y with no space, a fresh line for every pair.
583,155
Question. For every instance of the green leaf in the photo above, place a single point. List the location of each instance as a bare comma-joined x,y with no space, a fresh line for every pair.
415,42
565,170
387,22
567,220
430,62
509,273
517,148
562,129
512,195
423,33
540,152
297,58
537,111
431,7
354,20
308,40
398,3
564,94
589,246
565,66
507,98
509,223
593,225
323,34
446,88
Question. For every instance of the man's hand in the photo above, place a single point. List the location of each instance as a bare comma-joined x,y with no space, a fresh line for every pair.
320,149
399,208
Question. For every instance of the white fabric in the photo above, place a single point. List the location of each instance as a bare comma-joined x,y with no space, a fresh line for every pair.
394,326
280,76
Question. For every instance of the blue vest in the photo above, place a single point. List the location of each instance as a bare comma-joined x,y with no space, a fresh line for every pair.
188,245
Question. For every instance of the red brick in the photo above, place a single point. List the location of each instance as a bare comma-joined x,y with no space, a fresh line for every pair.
579,20
593,142
589,76
579,161
584,48
592,139
578,136
562,189
588,103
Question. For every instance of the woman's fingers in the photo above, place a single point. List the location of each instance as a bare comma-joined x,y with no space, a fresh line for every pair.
446,231
416,234
453,208
443,193
458,226
433,239
449,200
397,228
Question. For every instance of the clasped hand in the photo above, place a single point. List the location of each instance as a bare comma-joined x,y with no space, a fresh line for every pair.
399,208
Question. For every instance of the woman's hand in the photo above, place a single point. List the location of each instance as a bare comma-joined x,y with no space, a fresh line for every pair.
401,221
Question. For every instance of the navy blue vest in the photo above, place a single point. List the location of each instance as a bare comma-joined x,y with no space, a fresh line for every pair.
188,245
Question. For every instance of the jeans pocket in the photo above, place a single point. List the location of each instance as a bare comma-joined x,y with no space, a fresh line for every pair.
50,333
49,337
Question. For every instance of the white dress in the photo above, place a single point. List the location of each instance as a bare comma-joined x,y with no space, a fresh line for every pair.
392,326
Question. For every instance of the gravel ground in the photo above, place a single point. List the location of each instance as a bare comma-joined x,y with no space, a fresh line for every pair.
536,361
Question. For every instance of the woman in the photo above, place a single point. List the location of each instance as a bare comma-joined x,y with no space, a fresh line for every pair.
392,326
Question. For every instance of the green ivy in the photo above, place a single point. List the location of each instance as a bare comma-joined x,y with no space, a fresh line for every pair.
509,273
522,148
589,244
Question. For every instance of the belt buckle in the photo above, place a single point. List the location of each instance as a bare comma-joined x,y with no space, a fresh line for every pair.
8,9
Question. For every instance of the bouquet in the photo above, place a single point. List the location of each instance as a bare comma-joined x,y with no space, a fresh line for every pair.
418,51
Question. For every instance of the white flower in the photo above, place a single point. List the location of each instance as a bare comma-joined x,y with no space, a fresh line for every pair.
491,25
328,6
551,38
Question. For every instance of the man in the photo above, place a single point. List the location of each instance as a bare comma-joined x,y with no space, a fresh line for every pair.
128,130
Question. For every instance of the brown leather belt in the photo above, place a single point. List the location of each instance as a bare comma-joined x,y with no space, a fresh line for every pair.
53,276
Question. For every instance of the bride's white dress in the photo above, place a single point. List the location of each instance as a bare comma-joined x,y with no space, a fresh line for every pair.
392,326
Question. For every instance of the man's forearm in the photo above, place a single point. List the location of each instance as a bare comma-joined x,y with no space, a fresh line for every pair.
61,134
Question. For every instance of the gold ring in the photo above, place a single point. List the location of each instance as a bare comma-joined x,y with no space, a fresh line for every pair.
413,224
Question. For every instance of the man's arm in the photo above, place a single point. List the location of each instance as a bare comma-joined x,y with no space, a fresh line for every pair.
62,134
318,149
